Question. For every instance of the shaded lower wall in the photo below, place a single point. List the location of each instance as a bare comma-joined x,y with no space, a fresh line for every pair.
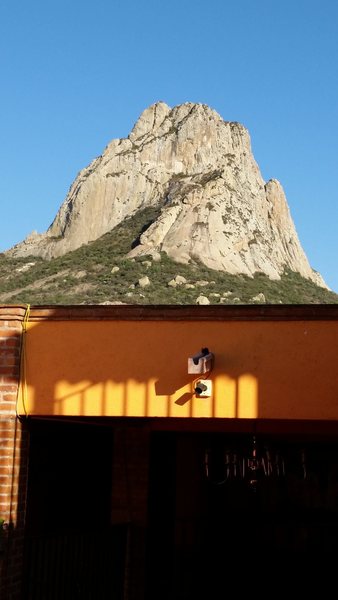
132,496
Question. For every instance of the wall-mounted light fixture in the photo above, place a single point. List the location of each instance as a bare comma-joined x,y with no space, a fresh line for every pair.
203,388
201,363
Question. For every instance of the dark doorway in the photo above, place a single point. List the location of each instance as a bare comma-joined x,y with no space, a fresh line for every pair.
219,522
71,549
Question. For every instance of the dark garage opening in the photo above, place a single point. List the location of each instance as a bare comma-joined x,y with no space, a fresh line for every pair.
72,551
241,530
212,526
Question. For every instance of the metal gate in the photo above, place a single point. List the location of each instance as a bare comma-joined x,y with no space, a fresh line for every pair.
73,566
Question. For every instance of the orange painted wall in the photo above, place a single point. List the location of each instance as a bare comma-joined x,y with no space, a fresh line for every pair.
277,370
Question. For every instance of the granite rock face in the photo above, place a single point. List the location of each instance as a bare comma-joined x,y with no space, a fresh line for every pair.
215,205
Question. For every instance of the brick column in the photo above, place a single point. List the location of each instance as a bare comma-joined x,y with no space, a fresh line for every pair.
13,456
130,501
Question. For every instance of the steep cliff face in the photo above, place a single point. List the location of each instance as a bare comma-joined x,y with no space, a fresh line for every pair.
215,206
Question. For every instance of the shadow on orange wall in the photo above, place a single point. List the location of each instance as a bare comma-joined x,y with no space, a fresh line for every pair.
283,370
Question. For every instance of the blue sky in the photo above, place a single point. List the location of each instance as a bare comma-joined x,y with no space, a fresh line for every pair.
75,74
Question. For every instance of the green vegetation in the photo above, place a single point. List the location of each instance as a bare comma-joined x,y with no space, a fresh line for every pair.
85,277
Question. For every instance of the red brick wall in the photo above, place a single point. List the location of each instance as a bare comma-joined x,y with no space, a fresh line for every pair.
13,455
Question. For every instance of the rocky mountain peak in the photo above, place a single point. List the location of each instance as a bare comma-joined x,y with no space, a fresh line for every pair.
149,121
199,169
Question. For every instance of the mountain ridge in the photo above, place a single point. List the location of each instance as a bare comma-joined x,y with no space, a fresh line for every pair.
100,273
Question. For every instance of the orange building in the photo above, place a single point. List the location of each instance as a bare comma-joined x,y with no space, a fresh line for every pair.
123,477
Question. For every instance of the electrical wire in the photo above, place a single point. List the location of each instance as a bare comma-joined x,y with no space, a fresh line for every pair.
22,388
